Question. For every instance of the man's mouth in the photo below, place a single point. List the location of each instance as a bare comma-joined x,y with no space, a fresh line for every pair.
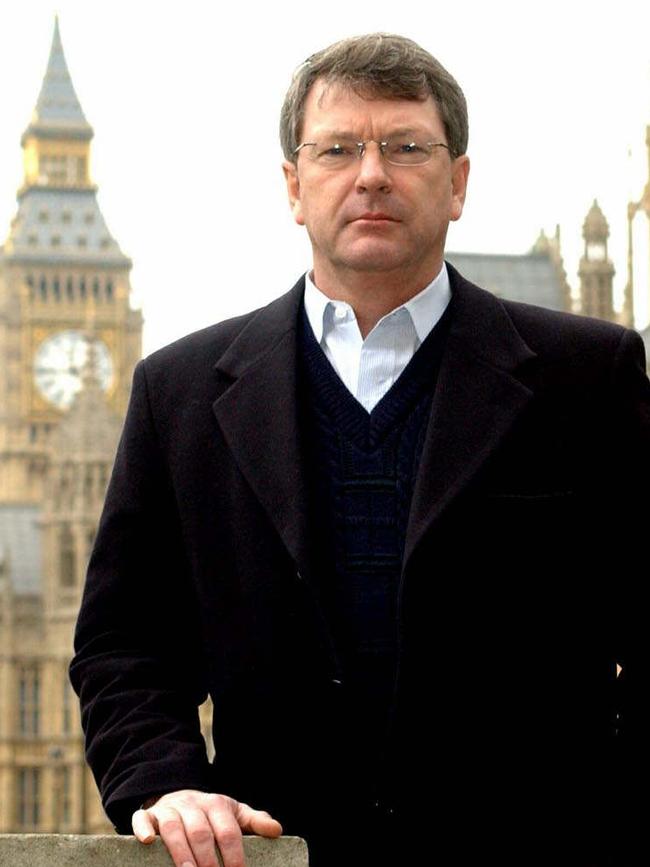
376,216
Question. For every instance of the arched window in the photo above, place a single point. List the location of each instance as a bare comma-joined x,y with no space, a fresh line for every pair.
66,557
29,697
66,708
28,798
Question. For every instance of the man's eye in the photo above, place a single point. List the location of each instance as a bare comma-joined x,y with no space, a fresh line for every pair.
335,150
409,147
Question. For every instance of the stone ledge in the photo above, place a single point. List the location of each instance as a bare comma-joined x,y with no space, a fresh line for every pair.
112,850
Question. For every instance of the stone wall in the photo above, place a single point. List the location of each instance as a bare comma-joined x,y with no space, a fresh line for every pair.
71,850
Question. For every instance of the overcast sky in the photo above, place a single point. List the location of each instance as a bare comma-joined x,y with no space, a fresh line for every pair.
184,99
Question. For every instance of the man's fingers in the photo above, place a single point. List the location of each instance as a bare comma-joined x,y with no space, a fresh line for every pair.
200,837
257,821
143,826
228,835
193,824
172,833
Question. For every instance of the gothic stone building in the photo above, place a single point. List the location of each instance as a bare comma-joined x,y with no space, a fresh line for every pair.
69,340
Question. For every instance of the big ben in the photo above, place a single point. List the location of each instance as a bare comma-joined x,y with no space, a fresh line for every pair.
60,270
69,340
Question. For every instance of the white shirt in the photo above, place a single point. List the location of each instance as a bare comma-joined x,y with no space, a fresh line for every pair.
368,368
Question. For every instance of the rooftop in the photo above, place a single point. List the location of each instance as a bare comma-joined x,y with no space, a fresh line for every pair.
533,278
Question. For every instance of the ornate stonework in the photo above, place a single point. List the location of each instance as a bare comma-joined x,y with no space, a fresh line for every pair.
69,339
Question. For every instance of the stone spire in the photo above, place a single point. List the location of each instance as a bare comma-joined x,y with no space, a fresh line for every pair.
59,219
58,110
595,229
596,270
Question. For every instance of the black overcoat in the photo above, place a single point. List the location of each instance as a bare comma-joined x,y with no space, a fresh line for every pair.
511,736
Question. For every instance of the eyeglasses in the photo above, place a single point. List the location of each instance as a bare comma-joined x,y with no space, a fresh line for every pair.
337,153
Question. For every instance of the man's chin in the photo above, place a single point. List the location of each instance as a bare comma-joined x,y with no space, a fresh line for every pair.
375,257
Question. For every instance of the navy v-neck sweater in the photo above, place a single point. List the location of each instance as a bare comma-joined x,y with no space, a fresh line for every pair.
361,473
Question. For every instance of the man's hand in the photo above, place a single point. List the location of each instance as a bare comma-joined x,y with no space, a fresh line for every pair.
189,822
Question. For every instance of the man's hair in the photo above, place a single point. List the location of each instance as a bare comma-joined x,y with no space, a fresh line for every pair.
378,65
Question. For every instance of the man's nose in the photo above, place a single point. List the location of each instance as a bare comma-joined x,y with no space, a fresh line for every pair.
372,171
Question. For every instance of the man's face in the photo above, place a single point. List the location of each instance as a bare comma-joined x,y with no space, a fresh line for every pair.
339,206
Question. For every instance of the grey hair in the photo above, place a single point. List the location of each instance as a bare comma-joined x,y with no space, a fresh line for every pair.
377,65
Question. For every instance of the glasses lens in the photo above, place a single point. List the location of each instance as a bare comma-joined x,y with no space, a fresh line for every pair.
407,151
334,153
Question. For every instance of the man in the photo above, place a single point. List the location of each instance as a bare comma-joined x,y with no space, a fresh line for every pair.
387,523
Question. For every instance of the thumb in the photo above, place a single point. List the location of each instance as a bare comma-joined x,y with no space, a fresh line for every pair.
257,821
143,826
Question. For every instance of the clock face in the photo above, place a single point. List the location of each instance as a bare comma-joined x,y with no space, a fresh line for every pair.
59,364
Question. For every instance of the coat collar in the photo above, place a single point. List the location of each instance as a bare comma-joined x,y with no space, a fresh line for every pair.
258,416
478,397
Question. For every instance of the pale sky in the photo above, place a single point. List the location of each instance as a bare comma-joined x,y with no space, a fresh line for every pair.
184,99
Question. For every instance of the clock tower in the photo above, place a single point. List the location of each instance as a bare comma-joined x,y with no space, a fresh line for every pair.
69,340
61,271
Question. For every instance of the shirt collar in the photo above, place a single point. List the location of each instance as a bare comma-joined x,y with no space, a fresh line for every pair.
425,308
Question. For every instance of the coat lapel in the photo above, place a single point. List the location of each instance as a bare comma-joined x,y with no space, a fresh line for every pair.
478,396
258,416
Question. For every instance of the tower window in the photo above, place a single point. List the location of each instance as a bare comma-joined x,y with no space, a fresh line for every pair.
53,168
43,216
89,219
104,243
56,240
82,287
56,289
66,557
81,169
82,241
29,689
32,240
42,286
109,290
96,288
69,288
66,801
88,487
66,716
28,798
66,217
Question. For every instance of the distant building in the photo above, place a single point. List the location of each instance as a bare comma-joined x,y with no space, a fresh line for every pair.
537,277
69,340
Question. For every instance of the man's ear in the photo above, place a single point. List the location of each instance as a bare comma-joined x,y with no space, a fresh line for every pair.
293,190
459,175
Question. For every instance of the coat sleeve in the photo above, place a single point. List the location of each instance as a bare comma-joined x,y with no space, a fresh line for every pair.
137,666
631,425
